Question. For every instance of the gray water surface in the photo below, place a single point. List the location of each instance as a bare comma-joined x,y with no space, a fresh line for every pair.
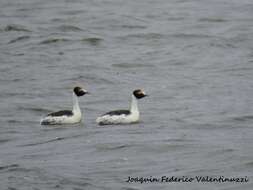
194,58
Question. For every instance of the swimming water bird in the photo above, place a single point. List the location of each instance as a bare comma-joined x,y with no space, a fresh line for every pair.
124,116
66,116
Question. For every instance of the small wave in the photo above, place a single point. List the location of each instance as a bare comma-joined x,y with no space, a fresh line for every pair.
71,12
9,166
144,36
133,26
44,142
82,182
129,188
131,65
223,43
92,41
237,70
52,140
12,188
18,54
166,147
178,63
19,169
53,40
10,94
12,132
250,164
190,36
38,109
243,118
18,39
220,152
212,20
33,109
104,147
158,36
178,140
94,79
176,18
17,28
13,121
4,141
69,28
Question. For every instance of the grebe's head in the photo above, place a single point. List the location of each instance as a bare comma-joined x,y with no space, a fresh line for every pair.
79,91
139,93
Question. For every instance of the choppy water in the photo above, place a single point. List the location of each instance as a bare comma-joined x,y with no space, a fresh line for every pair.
194,58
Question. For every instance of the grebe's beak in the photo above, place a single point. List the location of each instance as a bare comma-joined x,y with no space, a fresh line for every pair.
144,94
85,91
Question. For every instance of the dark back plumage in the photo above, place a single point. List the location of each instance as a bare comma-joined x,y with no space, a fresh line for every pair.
118,112
61,113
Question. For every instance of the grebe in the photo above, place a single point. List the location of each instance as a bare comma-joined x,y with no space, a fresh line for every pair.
124,116
66,116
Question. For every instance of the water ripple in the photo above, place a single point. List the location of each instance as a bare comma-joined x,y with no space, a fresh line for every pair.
54,40
244,118
43,142
105,147
133,26
129,188
9,166
33,109
20,38
131,65
92,41
249,164
4,141
93,78
15,27
69,28
212,20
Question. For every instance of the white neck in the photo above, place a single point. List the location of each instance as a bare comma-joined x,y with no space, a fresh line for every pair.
76,108
134,105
